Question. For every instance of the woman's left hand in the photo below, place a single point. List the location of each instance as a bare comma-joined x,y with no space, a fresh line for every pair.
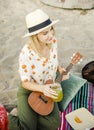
65,77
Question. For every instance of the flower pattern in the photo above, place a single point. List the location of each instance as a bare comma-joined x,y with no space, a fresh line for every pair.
35,68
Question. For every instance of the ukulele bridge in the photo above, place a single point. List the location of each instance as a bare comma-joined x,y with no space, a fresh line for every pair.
43,99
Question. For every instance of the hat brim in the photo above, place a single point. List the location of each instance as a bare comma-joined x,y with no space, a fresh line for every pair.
36,32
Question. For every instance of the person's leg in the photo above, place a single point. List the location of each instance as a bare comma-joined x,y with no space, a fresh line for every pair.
51,121
27,118
13,123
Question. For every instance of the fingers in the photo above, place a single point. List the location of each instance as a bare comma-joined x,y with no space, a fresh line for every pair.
61,69
65,77
50,95
48,91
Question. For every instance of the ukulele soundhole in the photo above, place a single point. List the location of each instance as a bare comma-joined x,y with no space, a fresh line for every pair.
43,99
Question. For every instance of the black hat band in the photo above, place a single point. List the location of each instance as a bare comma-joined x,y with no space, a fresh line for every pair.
39,26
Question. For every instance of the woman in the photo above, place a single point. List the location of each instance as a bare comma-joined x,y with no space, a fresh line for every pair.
37,63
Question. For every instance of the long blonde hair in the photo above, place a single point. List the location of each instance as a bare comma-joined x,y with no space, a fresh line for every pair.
33,43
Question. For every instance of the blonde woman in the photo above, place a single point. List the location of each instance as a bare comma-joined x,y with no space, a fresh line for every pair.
38,63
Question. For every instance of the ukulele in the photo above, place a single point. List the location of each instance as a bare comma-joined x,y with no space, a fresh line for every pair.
42,104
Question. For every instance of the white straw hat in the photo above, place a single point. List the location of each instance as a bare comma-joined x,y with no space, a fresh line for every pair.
37,21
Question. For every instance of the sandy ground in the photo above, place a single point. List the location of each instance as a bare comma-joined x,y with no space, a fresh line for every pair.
75,33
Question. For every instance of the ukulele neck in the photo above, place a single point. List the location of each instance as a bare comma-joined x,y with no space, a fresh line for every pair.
59,78
69,67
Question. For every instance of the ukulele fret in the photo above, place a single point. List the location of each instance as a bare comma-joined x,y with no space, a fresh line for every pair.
43,99
68,68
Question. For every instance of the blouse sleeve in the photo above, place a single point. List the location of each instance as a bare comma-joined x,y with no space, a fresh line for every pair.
24,64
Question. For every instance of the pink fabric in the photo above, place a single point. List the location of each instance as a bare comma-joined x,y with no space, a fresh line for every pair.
3,118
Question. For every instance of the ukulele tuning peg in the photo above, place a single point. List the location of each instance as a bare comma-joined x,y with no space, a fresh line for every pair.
73,54
78,62
81,60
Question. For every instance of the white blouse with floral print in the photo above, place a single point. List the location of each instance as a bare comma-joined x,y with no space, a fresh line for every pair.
35,68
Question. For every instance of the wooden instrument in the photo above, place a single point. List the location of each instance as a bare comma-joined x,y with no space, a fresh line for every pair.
42,104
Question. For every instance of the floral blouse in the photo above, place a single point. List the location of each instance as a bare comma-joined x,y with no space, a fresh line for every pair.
38,69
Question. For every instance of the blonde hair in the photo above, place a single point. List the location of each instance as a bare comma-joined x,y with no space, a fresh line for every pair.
33,43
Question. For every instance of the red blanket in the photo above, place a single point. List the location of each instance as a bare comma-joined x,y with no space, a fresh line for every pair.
3,118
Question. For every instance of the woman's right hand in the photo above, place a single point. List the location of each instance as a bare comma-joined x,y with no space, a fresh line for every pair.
49,91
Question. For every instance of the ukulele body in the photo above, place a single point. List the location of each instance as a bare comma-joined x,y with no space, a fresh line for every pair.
40,103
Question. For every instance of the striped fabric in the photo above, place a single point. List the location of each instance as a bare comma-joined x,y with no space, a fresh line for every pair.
84,98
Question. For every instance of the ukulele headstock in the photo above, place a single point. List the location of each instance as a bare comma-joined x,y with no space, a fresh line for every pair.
76,58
